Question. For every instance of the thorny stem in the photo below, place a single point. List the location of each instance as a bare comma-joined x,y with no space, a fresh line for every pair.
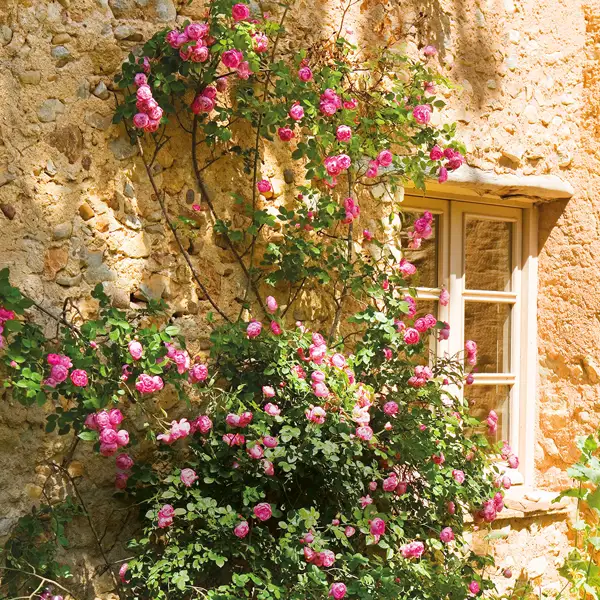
173,229
206,197
61,319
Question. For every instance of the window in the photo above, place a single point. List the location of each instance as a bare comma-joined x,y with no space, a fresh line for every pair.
484,255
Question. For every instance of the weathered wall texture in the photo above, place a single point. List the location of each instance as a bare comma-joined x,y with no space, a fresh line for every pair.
76,208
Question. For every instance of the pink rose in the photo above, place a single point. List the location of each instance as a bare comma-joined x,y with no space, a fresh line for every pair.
122,438
444,297
390,408
321,390
316,414
59,373
240,12
275,328
256,452
305,74
264,187
263,511
364,433
439,459
337,590
459,476
390,483
285,134
338,360
411,336
351,104
412,550
270,441
268,468
241,530
451,507
253,330
135,349
144,92
198,373
327,558
188,477
365,501
115,417
429,50
268,391
122,573
260,42
422,114
243,70
103,419
317,377
232,58
377,526
385,158
474,588
202,104
343,133
447,535
140,120
121,480
203,424
373,169
90,422
436,153
271,304
108,449
108,436
349,531
344,161
124,462
442,175
272,409
296,112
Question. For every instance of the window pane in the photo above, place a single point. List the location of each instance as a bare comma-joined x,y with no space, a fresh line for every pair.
488,324
483,398
425,258
488,255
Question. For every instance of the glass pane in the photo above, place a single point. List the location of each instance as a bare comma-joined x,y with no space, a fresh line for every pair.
488,325
428,307
488,255
425,258
483,398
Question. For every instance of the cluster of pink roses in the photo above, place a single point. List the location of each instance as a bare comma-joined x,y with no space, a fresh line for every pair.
422,375
491,508
508,455
334,165
413,550
454,160
471,351
192,42
182,428
205,101
325,558
60,371
422,230
149,112
106,423
148,384
384,159
352,210
330,102
5,315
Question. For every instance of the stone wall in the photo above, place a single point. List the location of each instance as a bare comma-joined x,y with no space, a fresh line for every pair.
76,208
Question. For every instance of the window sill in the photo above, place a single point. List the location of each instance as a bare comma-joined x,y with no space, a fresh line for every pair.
522,503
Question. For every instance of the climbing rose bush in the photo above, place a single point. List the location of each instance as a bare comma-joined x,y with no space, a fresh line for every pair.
300,461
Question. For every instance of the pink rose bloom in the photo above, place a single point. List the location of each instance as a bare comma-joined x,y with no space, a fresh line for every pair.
365,501
344,161
429,50
135,349
232,58
103,419
108,436
256,452
6,315
299,372
451,508
188,477
444,297
411,336
349,531
59,373
474,588
198,373
232,420
331,165
338,360
390,483
275,328
350,104
121,480
263,187
309,554
364,433
305,74
123,572
268,468
377,526
122,438
343,133
268,391
270,441
173,38
260,42
90,422
373,169
196,31
459,476
317,377
53,359
321,390
296,112
387,353
253,330
241,530
422,114
145,384
243,71
272,409
124,462
263,511
108,449
115,416
436,153
421,325
328,108
447,535
390,408
367,235
412,550
385,158
439,459
442,175
79,378
140,120
246,419
513,462
240,12
271,304
203,424
202,104
317,353
388,426
144,92
316,414
337,590
166,512
327,558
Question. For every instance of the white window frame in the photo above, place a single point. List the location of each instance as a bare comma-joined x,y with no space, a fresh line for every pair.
453,210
